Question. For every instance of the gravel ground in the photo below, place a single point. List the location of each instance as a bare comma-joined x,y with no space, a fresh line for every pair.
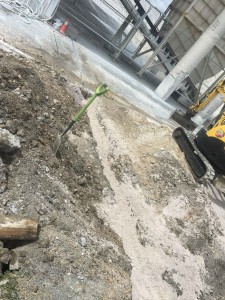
76,255
170,229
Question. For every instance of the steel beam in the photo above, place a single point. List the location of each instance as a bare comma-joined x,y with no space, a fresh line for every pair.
131,34
120,31
137,51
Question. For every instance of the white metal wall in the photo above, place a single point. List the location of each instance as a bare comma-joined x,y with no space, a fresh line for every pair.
203,13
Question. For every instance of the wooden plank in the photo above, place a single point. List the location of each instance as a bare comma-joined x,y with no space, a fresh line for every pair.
18,228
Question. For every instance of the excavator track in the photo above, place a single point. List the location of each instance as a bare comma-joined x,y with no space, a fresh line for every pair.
200,167
183,120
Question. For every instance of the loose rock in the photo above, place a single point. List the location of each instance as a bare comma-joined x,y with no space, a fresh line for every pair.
11,126
8,141
3,177
5,256
83,241
21,133
14,262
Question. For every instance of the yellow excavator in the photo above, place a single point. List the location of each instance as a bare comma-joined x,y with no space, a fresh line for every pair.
202,103
206,146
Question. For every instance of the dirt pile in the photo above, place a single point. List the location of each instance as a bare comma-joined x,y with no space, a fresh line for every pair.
76,256
167,222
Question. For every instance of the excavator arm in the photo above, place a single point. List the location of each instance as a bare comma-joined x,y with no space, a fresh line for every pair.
201,104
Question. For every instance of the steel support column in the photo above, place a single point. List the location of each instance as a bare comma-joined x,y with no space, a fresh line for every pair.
193,57
131,34
120,31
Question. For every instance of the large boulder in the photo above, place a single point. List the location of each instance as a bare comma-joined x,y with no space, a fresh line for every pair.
8,141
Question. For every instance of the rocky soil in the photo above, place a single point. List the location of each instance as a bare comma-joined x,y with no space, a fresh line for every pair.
76,255
120,215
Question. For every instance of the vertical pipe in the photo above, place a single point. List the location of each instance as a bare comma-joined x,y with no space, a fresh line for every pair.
193,57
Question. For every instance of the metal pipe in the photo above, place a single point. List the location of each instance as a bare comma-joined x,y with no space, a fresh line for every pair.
164,41
193,57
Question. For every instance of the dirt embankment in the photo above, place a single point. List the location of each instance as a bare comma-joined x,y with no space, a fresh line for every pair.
168,223
76,256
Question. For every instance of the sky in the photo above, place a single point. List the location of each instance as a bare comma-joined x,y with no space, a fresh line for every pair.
160,4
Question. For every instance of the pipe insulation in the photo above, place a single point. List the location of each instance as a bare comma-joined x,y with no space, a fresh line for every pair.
193,57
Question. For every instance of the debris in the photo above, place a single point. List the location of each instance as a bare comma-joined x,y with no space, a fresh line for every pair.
8,141
83,241
4,282
57,24
48,257
57,103
21,133
18,228
41,209
3,177
47,169
11,126
79,93
82,181
5,256
44,242
14,262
